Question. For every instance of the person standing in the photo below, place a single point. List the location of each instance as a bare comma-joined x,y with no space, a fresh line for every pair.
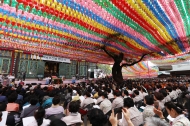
24,76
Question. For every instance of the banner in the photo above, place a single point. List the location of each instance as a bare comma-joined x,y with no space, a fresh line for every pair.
52,58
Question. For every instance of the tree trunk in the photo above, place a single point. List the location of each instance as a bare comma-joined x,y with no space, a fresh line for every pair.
117,73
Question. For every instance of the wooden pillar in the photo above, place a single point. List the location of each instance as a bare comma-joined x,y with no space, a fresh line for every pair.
17,60
12,65
77,71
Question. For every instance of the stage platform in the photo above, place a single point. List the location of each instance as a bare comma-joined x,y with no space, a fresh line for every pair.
30,81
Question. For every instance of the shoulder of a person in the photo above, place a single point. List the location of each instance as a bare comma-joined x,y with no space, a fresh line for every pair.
179,123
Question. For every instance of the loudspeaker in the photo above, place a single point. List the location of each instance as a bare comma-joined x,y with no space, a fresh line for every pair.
91,74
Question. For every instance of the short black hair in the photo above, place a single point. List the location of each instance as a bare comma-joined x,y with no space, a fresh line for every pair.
105,94
57,122
164,92
74,106
97,117
149,99
128,102
169,88
12,97
159,96
39,115
3,106
1,114
126,92
100,93
117,93
56,100
87,94
34,100
139,88
177,107
109,90
136,92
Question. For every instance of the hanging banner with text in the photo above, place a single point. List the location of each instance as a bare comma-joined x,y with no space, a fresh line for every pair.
51,58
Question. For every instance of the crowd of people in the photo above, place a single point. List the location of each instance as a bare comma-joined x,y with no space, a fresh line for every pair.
142,102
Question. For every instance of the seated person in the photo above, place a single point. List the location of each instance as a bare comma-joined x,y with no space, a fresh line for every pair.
11,106
100,99
39,118
148,110
88,100
110,95
29,111
137,96
118,101
135,115
55,108
158,97
10,118
73,117
125,94
105,105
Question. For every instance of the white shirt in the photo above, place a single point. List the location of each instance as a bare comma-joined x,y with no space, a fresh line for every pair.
166,99
46,122
54,110
137,98
148,111
105,106
117,102
110,96
173,95
100,99
72,118
144,94
181,120
135,116
178,91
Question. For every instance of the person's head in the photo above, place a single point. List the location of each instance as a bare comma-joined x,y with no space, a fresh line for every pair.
125,93
128,102
34,100
158,96
104,95
12,97
139,88
87,94
154,121
136,92
173,109
100,93
149,100
74,106
109,90
169,88
158,86
57,122
56,100
164,92
117,93
1,114
97,117
39,115
3,106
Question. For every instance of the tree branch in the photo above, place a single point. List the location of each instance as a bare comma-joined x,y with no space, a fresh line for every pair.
104,48
131,64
